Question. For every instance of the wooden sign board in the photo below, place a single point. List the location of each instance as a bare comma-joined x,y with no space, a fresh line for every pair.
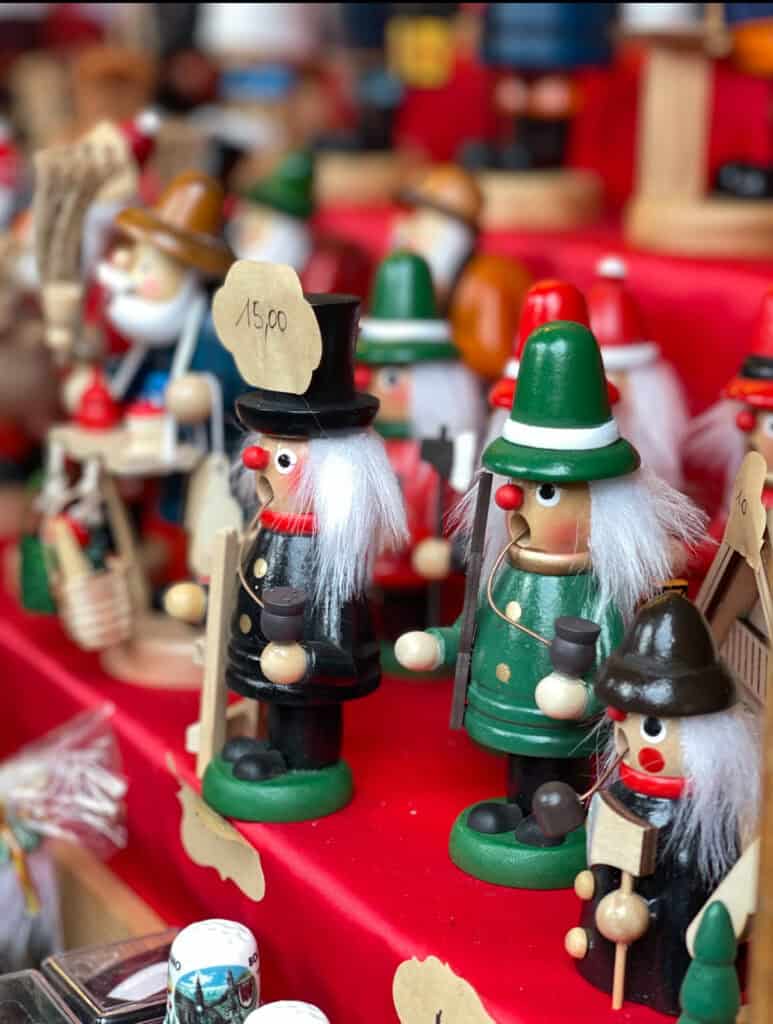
618,838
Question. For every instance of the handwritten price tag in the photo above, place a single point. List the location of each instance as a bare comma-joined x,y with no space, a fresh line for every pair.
262,318
747,521
428,992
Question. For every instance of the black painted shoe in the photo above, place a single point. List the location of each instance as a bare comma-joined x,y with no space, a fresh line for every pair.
745,181
492,817
260,766
478,155
530,834
241,745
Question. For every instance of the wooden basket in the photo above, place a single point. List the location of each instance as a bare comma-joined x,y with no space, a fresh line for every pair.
96,609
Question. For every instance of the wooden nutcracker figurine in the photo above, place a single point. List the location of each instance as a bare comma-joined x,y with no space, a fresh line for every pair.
430,406
272,222
671,825
301,639
565,566
643,378
480,292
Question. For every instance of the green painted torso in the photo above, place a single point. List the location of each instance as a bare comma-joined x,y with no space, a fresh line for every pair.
507,664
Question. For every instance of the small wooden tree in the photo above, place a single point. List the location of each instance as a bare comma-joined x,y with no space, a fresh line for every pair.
710,992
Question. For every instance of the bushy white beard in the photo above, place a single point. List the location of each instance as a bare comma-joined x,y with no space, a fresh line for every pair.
721,756
445,395
653,417
288,241
635,521
348,482
714,442
153,323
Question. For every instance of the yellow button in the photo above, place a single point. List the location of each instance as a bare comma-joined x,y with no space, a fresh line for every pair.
260,568
513,611
245,623
503,673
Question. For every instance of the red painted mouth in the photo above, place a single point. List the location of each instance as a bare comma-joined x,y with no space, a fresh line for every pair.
651,760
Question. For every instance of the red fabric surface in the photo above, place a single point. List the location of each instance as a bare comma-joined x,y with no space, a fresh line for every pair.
348,897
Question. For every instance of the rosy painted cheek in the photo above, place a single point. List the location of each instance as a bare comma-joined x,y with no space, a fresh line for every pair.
150,288
651,760
561,537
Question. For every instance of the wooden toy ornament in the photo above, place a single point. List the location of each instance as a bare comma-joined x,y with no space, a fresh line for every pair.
562,568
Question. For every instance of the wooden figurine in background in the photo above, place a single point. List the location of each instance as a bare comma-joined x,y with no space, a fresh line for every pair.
429,400
536,48
645,381
214,972
710,993
272,222
481,293
565,566
672,823
301,639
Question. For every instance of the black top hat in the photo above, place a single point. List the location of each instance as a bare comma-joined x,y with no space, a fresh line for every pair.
330,402
667,664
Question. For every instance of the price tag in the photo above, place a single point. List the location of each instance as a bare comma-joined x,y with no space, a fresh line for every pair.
745,529
428,992
262,318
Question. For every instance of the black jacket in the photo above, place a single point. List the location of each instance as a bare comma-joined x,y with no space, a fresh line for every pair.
344,660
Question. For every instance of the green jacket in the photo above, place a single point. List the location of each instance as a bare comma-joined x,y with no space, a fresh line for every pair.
507,664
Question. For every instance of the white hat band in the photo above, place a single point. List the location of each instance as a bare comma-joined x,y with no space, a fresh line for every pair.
629,357
433,331
561,439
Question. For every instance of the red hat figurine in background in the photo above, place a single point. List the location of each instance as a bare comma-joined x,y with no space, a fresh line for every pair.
634,364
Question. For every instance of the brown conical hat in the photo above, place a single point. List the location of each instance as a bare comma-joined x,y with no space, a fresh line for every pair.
184,223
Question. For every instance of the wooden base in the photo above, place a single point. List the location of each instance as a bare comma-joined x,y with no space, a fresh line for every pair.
540,200
159,656
360,179
114,448
710,227
96,906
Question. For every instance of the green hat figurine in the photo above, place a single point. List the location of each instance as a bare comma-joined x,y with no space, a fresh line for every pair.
404,325
561,426
288,188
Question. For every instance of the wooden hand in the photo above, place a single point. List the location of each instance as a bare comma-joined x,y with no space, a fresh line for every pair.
419,652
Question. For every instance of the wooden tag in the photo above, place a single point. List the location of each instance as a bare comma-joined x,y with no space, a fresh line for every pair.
428,992
746,525
211,842
262,318
215,509
618,838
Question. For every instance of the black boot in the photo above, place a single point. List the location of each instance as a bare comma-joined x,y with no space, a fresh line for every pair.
259,766
492,817
241,745
745,180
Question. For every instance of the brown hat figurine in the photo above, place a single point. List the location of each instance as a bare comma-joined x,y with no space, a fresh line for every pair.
184,223
450,190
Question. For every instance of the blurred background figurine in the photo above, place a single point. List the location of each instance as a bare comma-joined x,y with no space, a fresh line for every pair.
565,564
430,419
670,826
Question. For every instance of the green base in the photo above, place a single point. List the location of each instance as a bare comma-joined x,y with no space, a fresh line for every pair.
294,796
501,859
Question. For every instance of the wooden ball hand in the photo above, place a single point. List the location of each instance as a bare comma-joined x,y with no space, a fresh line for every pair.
562,694
186,602
418,652
283,661
431,558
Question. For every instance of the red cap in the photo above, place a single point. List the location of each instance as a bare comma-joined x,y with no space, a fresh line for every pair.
754,384
141,134
616,320
545,301
97,409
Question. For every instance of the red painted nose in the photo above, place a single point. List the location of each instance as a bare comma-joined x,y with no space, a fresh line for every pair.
745,420
255,457
509,497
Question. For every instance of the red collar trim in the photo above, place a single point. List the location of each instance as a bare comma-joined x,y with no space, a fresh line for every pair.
304,523
670,787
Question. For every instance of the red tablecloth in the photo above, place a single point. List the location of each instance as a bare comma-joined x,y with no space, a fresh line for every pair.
349,897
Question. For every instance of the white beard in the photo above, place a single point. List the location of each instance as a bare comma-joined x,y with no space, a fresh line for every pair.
156,324
287,242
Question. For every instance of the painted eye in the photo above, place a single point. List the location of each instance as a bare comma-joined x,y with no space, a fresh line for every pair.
548,495
285,460
767,425
389,379
653,730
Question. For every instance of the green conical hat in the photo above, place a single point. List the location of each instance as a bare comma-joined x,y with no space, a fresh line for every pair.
404,325
288,188
561,426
